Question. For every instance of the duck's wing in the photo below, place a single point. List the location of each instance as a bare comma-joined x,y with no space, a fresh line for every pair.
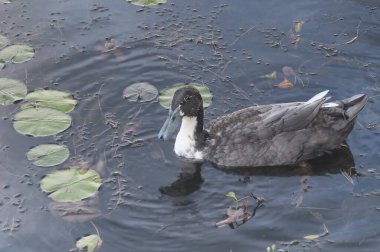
255,130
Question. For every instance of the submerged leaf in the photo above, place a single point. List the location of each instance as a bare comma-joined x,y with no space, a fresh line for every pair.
80,211
288,71
39,122
90,242
146,2
11,90
48,154
3,41
285,84
54,99
16,54
166,96
71,185
141,92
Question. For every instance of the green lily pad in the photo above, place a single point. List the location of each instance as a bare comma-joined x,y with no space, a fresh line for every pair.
16,54
48,154
54,99
166,96
146,2
39,122
11,90
3,41
90,242
71,185
141,92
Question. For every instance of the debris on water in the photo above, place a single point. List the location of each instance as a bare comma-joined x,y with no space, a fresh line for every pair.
285,84
109,43
316,236
239,214
271,76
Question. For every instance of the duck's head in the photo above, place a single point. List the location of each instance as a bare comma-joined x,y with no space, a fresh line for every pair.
187,102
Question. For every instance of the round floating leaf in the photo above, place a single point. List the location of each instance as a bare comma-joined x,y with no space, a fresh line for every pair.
54,99
141,92
41,122
166,96
11,90
71,185
16,53
91,242
146,2
48,154
3,41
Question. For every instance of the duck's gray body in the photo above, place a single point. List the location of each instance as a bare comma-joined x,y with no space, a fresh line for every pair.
270,135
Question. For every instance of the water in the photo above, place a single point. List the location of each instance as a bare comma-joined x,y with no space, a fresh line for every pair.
227,46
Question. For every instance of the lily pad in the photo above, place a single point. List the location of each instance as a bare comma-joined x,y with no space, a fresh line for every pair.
166,96
40,122
90,242
11,90
48,154
71,185
16,54
141,92
146,2
3,41
54,99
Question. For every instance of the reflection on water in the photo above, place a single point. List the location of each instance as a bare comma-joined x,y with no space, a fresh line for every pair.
150,200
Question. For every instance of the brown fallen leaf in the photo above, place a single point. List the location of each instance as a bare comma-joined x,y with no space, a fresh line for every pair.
285,84
75,211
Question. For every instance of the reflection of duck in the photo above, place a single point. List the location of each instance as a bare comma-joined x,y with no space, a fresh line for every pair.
265,135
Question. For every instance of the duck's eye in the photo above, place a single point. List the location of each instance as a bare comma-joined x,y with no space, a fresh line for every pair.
187,98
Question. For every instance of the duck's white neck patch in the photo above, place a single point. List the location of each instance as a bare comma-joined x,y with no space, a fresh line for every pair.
185,142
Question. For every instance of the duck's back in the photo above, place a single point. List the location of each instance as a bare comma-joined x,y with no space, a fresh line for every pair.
280,134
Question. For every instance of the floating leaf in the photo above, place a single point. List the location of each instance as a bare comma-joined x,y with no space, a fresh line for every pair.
71,185
232,195
285,84
48,154
3,41
5,1
166,96
271,76
54,99
16,54
146,2
316,236
1,65
141,92
39,122
91,242
11,90
298,26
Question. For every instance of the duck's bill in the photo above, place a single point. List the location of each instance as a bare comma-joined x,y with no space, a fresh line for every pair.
171,124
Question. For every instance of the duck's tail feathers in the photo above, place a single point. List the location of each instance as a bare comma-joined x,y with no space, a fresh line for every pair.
354,105
319,96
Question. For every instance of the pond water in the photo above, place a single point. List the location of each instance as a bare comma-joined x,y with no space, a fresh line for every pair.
227,46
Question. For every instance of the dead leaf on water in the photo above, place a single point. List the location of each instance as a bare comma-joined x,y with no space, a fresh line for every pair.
271,76
298,26
80,211
316,236
285,84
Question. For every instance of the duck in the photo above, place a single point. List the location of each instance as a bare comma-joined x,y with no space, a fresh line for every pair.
279,134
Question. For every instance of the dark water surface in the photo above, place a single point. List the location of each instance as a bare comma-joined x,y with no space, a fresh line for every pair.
226,45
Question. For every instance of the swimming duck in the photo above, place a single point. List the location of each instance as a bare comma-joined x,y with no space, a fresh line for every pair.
263,135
